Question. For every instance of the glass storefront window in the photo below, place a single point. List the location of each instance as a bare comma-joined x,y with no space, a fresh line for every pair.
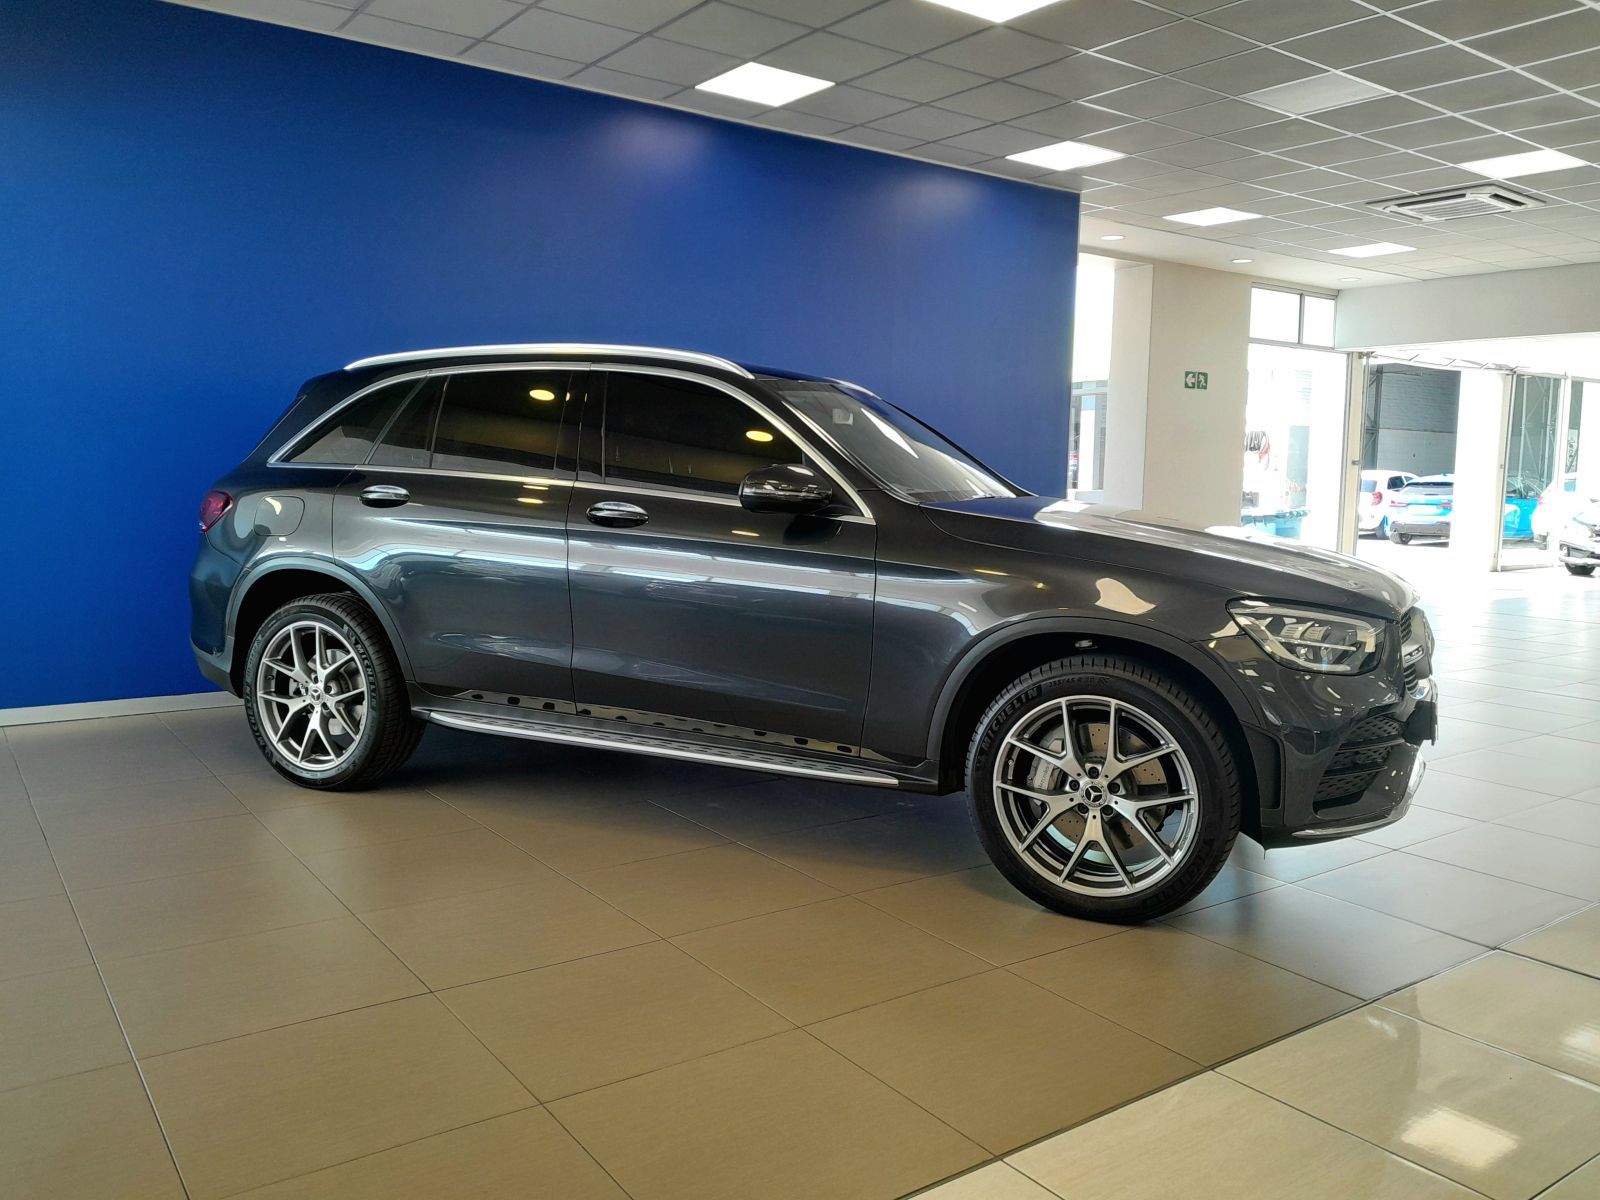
1274,315
1091,371
1294,443
1317,321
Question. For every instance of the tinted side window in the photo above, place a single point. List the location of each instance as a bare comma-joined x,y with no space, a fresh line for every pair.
673,433
501,422
347,438
407,440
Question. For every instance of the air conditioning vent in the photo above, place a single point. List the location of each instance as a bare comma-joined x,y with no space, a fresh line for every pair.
1482,201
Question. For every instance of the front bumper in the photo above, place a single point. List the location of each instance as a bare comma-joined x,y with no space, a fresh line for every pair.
1584,553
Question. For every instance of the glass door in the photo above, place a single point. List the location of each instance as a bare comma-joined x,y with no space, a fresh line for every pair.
1294,460
1536,438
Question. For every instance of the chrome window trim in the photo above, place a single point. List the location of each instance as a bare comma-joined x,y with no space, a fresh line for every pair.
591,350
862,511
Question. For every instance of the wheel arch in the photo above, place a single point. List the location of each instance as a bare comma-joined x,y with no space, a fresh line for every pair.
1004,655
262,591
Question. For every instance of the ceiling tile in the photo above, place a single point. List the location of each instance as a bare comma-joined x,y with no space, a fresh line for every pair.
1087,26
641,16
1335,150
1376,114
1360,42
1421,68
1432,132
470,18
623,84
1256,166
562,36
1459,19
1281,135
1580,70
297,14
716,104
999,101
1127,170
1568,133
1141,135
1275,20
1436,177
1198,153
1248,72
954,155
1079,76
1529,114
996,140
876,139
825,55
1489,145
850,104
1308,180
1482,92
1193,8
1173,47
798,122
1387,166
672,61
928,124
522,62
919,79
998,52
730,30
1156,97
807,12
402,36
910,26
1071,120
1221,116
1549,38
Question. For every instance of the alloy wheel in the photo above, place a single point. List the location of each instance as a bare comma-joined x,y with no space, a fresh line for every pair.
311,695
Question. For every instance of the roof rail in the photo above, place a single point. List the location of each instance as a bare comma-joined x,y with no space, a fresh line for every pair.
563,348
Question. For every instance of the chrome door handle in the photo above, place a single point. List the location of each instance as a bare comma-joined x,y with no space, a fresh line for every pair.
384,495
616,514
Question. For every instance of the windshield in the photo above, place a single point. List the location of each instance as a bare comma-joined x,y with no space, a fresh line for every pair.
896,448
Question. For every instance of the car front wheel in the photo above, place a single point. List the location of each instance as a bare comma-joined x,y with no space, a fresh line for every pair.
325,697
1575,569
1102,789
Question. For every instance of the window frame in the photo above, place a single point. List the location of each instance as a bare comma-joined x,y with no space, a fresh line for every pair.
577,389
1300,321
317,427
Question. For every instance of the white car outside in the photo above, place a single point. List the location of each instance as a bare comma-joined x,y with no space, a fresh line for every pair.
1372,511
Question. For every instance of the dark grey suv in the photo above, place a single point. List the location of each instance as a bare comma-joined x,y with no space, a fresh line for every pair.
669,553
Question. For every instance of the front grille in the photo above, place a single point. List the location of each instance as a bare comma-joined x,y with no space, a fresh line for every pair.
1363,753
1405,625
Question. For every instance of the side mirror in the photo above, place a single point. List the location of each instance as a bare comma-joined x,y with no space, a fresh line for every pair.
785,488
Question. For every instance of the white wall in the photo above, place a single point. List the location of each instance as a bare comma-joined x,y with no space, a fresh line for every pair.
1501,304
1172,451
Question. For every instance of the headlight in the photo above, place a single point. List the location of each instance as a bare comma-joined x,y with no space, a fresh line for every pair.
1310,639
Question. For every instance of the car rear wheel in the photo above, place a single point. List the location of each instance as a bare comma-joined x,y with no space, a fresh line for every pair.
1399,539
1575,569
1102,789
325,697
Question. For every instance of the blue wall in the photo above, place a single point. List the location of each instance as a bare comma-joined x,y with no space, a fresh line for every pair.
197,212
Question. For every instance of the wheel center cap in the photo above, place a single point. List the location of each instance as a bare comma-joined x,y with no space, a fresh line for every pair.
1093,795
316,692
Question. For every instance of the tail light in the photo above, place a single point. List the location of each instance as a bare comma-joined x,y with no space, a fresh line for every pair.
213,508
1377,496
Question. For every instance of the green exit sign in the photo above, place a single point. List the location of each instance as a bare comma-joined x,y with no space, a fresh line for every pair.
1197,380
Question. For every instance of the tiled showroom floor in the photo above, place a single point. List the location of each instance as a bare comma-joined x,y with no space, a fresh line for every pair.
524,971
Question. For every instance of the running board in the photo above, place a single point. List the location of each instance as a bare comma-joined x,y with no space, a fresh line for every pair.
637,743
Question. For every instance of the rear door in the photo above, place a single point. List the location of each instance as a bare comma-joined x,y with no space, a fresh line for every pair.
689,610
457,522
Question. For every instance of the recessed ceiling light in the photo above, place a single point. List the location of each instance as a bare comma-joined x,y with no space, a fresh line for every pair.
1349,279
763,85
1212,216
995,10
1066,156
1317,94
1112,237
1373,249
1534,162
1241,260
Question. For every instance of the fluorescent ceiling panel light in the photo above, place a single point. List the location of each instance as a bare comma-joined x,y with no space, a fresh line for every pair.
1111,237
1373,250
763,85
1241,260
1317,94
1510,166
1212,216
1349,279
1066,156
995,10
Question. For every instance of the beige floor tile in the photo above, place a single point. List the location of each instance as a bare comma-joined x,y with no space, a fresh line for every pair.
118,751
1352,949
932,838
828,958
1499,716
1557,749
17,818
86,1135
218,737
364,819
1000,1059
1529,1008
1474,799
156,851
182,910
584,839
1573,943
1582,1184
578,1025
683,892
1232,882
522,1156
1496,1123
197,994
1554,864
462,939
993,1182
1291,863
1210,1138
1201,999
1458,736
759,809
11,785
1481,908
1572,820
39,935
782,1119
71,815
274,1105
423,868
56,1024
1418,825
981,912
1555,777
264,791
27,868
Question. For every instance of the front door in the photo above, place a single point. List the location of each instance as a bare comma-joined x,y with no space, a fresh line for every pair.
457,521
688,610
